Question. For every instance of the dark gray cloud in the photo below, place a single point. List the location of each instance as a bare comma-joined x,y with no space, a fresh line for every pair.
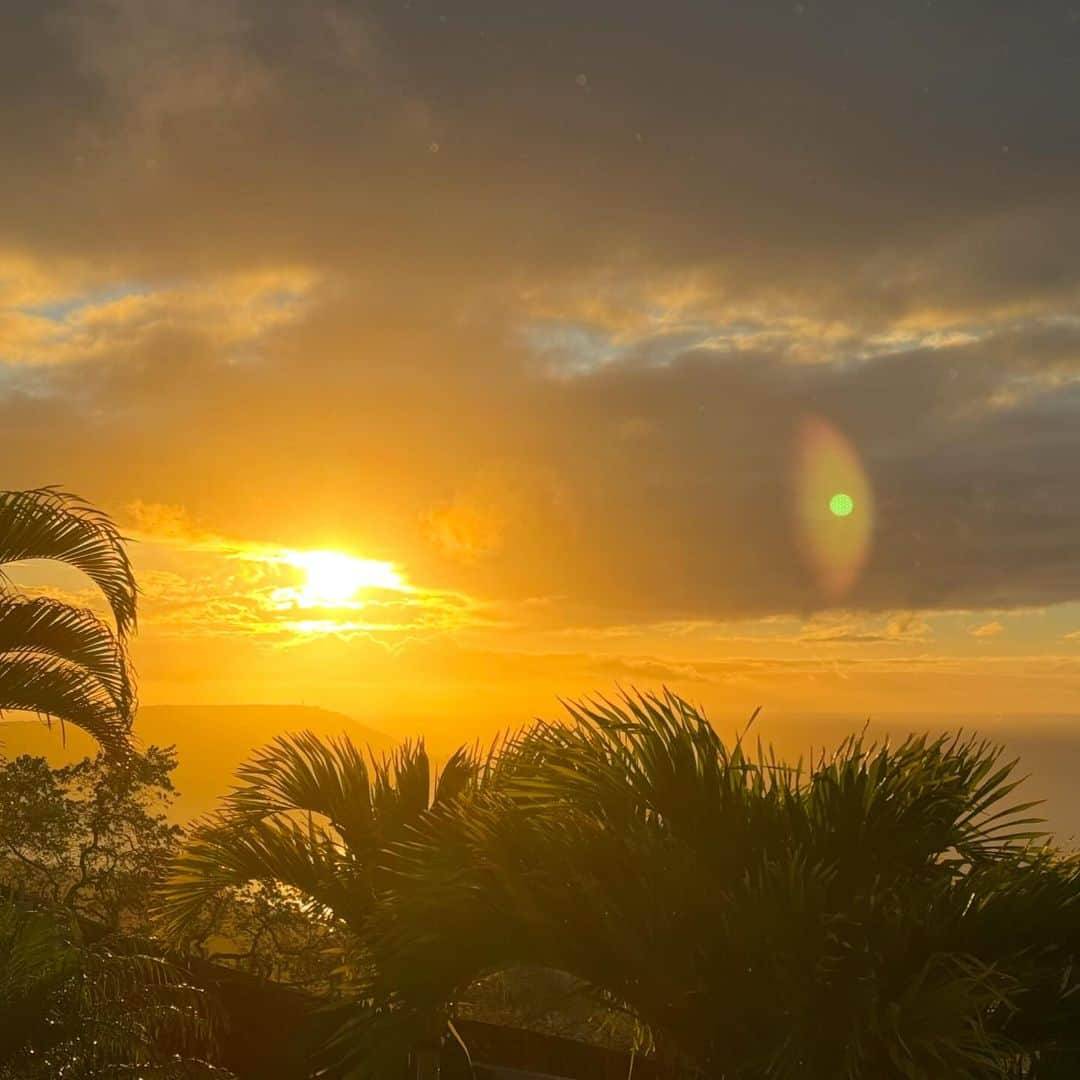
883,155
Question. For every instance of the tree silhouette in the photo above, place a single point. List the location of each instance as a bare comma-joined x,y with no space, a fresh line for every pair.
309,822
89,1009
885,912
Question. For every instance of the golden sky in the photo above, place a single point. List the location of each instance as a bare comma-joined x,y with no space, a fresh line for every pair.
560,335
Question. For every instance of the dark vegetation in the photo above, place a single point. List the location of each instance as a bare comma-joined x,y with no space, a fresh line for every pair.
624,877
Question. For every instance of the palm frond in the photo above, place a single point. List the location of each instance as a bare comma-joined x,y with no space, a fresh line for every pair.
458,773
69,693
225,854
304,773
401,787
44,626
880,809
128,997
35,963
47,523
312,815
365,799
93,1010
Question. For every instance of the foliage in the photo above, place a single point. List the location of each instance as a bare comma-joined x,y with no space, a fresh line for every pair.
60,661
549,1002
282,880
80,847
85,840
79,1010
273,932
91,837
885,912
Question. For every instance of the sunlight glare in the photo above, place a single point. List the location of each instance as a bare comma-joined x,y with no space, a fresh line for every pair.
333,579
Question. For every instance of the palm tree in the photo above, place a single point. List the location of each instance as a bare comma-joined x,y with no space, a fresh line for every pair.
57,660
80,1010
313,817
883,913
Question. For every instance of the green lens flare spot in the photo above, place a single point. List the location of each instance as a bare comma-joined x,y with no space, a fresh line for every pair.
841,504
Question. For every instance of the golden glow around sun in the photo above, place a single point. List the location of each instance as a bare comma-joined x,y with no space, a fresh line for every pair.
332,579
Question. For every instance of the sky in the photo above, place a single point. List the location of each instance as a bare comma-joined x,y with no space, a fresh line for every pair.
568,323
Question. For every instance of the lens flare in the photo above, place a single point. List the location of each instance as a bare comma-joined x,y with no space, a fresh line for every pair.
842,504
834,509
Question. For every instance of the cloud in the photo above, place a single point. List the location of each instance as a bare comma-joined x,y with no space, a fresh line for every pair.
902,627
741,150
156,61
230,313
988,630
564,356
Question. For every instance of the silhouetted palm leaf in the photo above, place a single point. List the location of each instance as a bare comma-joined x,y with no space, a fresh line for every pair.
837,921
46,523
47,627
56,660
56,689
223,854
303,773
311,815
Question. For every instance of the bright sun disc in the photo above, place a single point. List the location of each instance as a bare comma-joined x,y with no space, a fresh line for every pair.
331,578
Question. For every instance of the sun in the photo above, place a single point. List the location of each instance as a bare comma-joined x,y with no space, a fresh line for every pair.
333,579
